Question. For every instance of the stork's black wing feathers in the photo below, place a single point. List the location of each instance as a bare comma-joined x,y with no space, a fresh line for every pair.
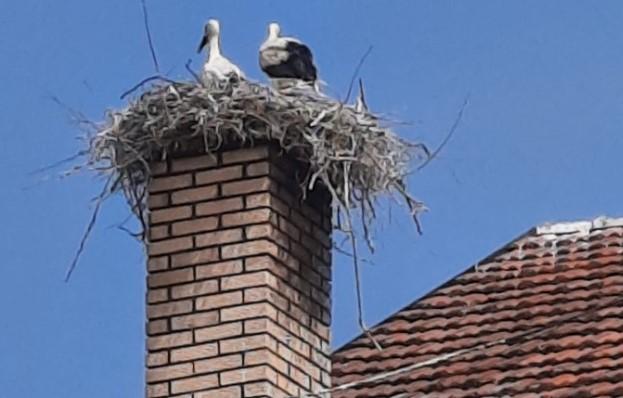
299,64
301,61
300,49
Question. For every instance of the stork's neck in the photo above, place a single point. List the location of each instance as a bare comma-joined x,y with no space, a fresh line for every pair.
215,47
272,35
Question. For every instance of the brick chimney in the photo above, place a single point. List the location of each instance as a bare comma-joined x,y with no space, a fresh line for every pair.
239,278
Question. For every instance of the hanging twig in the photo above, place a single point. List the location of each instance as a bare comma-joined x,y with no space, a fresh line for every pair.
85,236
122,223
357,274
346,253
135,235
136,194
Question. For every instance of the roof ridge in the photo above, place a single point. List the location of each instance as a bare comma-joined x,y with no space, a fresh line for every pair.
583,227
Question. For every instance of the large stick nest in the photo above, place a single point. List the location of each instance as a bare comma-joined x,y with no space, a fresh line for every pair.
348,150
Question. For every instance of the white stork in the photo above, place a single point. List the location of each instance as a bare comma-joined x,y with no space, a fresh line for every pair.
287,58
216,65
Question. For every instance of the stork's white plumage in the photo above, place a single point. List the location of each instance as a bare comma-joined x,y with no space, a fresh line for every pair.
287,58
216,65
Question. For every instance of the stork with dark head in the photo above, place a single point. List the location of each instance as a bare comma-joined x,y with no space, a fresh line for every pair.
287,58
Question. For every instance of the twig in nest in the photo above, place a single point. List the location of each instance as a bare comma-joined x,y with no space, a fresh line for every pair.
149,40
459,116
145,81
192,72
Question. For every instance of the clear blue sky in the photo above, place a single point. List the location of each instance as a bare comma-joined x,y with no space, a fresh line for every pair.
541,140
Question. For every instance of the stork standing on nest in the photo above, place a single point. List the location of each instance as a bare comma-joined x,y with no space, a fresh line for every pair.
216,65
286,59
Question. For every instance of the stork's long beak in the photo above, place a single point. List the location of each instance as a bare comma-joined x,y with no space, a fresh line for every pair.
204,41
362,93
361,105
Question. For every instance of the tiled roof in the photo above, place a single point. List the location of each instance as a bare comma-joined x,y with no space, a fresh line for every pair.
542,317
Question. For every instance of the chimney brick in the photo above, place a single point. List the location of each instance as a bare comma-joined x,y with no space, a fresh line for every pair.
194,320
220,363
239,277
219,206
193,163
219,332
218,175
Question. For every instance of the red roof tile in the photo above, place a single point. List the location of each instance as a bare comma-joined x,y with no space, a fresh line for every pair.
542,317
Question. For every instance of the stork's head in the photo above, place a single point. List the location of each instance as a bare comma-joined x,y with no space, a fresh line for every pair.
211,30
274,30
